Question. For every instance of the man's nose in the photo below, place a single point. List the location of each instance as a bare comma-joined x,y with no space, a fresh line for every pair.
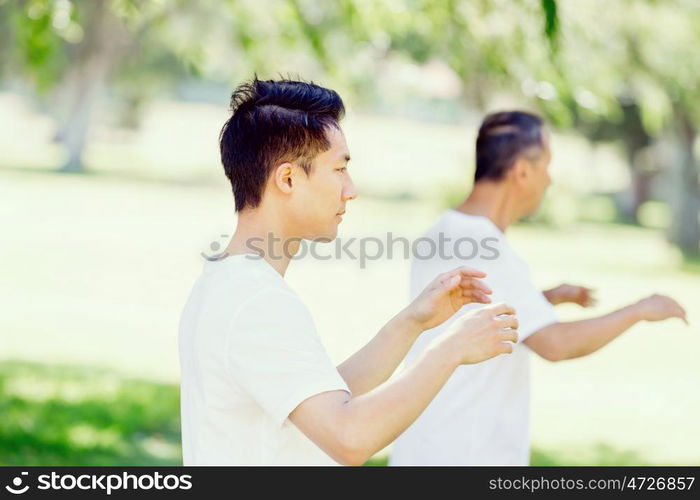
350,191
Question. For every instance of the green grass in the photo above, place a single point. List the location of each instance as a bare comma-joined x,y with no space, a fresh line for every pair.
69,415
62,415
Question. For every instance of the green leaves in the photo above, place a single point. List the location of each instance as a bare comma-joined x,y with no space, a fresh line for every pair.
551,24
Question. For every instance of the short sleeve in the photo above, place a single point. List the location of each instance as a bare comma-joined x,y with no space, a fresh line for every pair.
511,282
275,355
534,312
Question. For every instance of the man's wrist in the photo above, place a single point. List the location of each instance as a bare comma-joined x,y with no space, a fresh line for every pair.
444,353
406,323
636,312
551,295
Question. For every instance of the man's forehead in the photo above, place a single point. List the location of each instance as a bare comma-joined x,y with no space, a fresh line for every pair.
339,145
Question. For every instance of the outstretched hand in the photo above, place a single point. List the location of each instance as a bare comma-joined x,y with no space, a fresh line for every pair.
660,307
446,295
574,294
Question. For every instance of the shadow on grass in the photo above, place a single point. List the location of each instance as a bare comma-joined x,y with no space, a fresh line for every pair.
59,415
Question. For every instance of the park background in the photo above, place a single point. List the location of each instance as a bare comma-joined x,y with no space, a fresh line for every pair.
111,190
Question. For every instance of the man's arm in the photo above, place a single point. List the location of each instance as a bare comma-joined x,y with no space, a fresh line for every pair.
377,360
574,339
351,430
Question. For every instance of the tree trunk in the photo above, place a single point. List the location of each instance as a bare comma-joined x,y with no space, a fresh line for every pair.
685,199
95,57
636,141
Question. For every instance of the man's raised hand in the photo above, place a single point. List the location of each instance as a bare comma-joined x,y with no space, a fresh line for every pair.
575,294
446,295
480,334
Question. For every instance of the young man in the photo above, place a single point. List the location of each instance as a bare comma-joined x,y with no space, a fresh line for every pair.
481,415
257,386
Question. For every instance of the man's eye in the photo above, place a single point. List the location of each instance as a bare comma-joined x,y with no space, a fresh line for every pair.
342,169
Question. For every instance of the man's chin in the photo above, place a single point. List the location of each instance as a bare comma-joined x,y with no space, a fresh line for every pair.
536,208
325,238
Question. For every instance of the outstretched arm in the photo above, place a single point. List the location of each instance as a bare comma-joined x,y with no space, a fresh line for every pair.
574,339
377,360
352,429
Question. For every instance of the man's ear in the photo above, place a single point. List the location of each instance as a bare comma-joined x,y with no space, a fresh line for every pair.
520,171
283,177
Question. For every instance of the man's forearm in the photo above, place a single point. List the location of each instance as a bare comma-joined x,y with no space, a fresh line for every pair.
377,360
378,417
579,338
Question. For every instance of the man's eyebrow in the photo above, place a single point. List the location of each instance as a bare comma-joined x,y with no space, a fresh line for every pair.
346,157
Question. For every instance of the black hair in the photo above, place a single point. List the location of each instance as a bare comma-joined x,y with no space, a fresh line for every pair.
503,138
272,122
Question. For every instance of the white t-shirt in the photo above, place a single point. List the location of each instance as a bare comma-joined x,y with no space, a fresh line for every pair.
249,355
481,415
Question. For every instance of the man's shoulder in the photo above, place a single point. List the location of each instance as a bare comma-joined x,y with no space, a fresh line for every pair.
238,282
458,223
459,239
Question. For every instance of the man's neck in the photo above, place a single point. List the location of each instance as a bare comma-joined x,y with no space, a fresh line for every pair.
259,233
493,201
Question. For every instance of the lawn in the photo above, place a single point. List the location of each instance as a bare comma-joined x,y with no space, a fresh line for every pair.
68,415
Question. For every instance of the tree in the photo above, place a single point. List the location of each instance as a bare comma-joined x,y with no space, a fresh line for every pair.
643,73
70,50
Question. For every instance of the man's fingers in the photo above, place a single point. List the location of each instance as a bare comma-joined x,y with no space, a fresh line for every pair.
500,308
510,335
680,314
678,310
507,322
470,272
462,272
450,281
505,348
475,296
476,284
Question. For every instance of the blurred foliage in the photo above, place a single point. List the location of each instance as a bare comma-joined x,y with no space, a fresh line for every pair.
58,415
491,45
630,75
